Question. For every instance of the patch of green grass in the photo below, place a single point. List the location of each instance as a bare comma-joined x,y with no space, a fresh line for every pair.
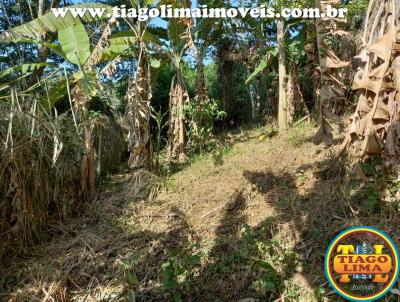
299,135
368,197
170,183
292,292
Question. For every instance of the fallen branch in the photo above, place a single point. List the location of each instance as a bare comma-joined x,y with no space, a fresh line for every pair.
302,120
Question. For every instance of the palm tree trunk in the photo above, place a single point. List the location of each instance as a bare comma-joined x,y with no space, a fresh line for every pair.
312,62
282,105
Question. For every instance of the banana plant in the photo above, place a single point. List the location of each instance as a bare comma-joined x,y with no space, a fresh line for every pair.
139,91
180,39
205,32
332,87
74,47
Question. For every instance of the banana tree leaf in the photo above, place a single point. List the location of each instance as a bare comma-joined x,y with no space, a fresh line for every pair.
175,31
150,37
149,2
88,82
24,68
119,44
56,48
113,51
265,63
50,23
75,44
55,93
159,32
123,37
154,63
177,27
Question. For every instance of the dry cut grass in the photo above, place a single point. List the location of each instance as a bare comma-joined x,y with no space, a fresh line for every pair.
252,225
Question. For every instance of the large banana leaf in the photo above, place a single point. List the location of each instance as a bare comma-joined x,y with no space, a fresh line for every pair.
159,32
265,63
178,27
75,44
118,44
56,91
88,82
176,30
24,68
123,37
152,35
56,48
50,23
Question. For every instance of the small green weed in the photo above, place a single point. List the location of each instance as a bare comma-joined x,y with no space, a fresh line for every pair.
128,266
274,262
299,135
179,271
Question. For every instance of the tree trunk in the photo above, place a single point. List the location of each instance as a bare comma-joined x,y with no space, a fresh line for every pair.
291,99
254,97
312,63
100,145
202,91
88,177
295,100
88,168
331,87
227,86
282,104
139,96
176,132
253,100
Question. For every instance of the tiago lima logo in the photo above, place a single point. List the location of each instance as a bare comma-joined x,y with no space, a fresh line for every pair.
362,264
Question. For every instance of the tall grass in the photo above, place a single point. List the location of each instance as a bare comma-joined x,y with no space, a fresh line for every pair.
38,171
40,161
